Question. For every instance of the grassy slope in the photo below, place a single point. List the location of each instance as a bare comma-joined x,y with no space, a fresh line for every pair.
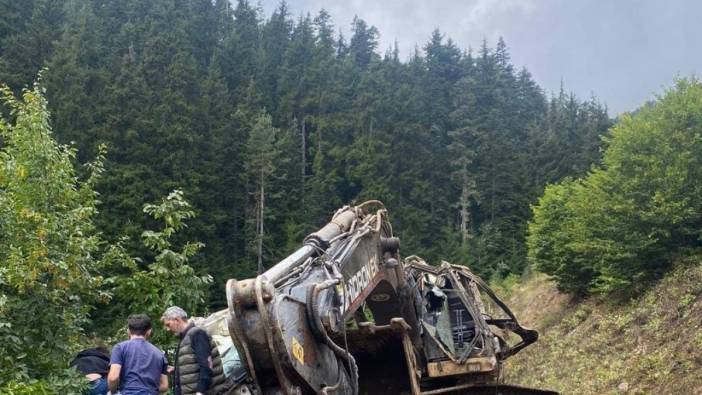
650,345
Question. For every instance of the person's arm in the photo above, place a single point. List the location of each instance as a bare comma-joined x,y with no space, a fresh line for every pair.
163,385
201,346
113,377
115,368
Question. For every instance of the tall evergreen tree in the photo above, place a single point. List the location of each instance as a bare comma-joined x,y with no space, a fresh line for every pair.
275,39
241,49
364,42
262,153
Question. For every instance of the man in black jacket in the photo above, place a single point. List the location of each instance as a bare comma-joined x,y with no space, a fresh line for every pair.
198,366
94,363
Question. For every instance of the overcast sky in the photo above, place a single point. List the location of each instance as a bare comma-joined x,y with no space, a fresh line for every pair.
622,51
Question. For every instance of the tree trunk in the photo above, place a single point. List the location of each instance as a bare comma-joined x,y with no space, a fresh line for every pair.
492,191
465,214
259,231
303,152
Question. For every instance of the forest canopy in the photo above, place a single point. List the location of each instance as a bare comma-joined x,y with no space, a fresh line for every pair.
457,143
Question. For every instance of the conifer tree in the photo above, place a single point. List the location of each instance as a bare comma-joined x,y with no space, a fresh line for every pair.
262,153
241,49
275,39
363,43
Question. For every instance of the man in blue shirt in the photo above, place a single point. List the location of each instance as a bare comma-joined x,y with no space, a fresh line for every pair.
137,367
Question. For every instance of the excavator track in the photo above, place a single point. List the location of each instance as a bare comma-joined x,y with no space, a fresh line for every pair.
491,389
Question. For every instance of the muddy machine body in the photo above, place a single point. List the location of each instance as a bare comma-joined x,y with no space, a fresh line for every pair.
345,314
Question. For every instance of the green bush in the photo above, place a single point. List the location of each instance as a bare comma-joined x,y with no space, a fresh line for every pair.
137,287
48,247
60,281
621,225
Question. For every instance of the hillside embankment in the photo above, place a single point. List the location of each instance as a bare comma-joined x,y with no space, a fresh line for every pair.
651,344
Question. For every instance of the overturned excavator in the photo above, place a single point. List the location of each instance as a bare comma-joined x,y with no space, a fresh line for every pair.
344,314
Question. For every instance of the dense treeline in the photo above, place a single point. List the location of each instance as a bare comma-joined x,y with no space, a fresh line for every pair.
625,222
270,124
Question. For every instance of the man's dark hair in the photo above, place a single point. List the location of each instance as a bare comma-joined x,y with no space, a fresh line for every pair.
138,324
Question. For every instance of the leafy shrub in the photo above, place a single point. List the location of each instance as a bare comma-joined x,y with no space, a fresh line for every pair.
58,277
48,248
168,280
622,224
